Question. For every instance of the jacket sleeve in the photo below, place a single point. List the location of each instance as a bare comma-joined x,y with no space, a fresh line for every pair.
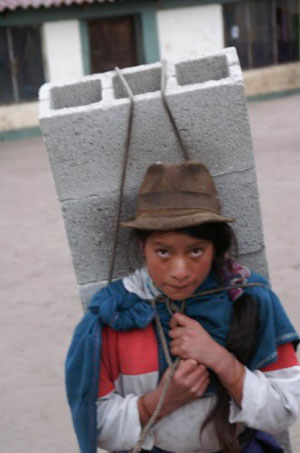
118,421
271,396
81,374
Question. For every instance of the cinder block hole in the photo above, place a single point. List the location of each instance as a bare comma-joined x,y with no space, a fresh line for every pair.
140,82
82,93
202,70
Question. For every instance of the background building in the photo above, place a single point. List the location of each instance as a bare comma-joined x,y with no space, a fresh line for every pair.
60,40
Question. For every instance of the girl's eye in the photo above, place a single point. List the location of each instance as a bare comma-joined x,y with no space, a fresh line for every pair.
162,253
196,252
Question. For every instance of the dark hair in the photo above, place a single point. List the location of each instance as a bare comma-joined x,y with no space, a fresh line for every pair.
242,335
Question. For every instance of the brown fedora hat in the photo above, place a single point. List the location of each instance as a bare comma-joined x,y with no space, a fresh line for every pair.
176,196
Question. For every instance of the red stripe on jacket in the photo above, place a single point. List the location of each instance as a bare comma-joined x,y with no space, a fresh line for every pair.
132,352
286,358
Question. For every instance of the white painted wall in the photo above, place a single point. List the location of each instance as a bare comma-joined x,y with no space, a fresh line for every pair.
18,116
191,31
62,50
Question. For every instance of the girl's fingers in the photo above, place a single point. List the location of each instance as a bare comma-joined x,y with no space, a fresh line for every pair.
185,367
202,387
176,332
179,319
191,371
199,372
198,381
174,343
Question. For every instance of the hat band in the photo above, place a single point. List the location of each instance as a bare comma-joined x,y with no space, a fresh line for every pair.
151,201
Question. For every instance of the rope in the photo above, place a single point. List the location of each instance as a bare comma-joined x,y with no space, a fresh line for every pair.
225,288
123,175
172,365
162,335
166,105
153,417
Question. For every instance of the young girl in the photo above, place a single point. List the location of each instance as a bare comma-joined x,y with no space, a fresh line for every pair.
193,337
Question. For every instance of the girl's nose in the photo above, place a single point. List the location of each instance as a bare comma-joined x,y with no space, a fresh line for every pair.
179,269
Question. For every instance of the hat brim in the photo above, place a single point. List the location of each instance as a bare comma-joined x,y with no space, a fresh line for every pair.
175,222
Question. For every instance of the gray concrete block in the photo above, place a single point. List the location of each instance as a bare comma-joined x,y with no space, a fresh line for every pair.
141,79
87,291
90,224
202,70
86,145
206,97
80,93
239,197
213,122
255,261
85,150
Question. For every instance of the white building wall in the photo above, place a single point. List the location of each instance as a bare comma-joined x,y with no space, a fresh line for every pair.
191,31
18,116
62,50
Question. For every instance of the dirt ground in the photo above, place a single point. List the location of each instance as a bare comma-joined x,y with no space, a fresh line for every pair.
39,300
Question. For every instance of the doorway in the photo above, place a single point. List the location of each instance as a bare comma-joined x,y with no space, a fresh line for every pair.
114,41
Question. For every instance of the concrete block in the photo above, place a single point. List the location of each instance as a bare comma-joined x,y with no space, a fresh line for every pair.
141,79
212,114
76,143
90,227
86,144
255,261
87,291
239,196
214,123
202,70
76,94
84,125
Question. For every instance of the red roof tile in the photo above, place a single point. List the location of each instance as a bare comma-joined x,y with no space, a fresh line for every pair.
14,4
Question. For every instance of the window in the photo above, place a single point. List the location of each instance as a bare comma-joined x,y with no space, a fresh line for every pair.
264,32
21,63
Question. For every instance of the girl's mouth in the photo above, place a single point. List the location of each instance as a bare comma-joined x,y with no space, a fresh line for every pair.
180,288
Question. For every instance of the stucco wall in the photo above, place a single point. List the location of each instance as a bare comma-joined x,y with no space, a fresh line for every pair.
18,116
189,32
62,50
272,79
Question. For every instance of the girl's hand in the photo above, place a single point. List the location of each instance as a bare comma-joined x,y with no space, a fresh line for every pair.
191,341
189,382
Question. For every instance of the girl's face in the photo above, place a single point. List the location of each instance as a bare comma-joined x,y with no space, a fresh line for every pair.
177,263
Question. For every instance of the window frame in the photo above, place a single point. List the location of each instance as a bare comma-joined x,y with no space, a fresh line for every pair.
13,65
249,44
